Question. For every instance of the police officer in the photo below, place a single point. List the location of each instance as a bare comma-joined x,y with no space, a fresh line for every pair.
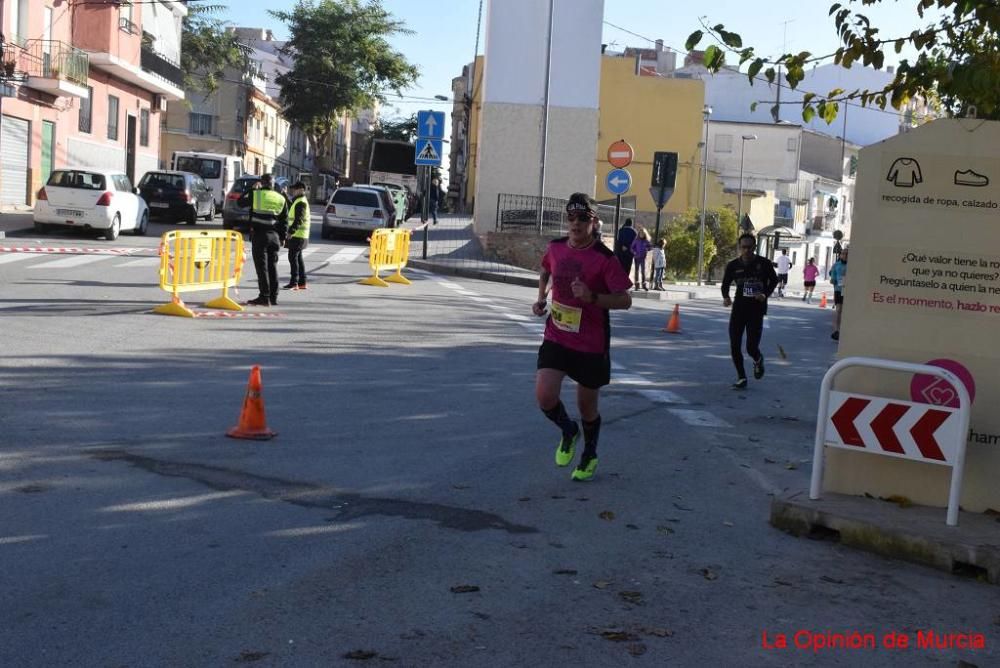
298,235
268,220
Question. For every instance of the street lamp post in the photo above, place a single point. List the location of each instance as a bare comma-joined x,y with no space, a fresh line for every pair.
739,204
706,112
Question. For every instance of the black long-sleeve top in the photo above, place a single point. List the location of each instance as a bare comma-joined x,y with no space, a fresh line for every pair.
754,277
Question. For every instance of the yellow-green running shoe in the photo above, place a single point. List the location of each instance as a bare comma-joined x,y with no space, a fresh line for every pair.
585,471
567,446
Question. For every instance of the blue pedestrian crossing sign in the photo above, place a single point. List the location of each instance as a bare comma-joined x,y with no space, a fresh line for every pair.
618,181
430,125
428,152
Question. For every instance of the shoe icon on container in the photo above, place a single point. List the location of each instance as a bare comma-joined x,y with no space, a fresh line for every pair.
971,179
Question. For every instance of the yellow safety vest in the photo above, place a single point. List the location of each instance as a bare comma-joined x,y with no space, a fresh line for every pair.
302,231
269,203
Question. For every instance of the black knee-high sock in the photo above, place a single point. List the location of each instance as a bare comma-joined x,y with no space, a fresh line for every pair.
559,416
591,432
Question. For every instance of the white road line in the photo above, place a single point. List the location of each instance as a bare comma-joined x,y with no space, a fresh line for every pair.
72,261
141,262
481,300
14,257
346,255
663,396
699,418
516,317
617,367
756,476
309,251
467,293
449,284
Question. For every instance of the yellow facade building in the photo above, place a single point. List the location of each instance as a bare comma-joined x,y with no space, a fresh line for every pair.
652,113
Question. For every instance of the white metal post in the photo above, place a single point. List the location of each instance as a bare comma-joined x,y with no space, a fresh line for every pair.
964,410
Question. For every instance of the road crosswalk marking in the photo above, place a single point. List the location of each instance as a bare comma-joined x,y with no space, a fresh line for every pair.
15,257
72,261
141,262
346,255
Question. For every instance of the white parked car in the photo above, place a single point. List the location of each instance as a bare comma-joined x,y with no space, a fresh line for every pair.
357,209
91,199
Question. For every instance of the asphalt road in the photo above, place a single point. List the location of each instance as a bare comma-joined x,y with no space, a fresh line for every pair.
411,466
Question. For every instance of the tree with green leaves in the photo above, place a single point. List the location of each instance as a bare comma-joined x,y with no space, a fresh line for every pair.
682,235
397,129
343,63
957,61
208,49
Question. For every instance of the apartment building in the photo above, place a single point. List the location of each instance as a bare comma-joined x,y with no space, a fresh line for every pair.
84,85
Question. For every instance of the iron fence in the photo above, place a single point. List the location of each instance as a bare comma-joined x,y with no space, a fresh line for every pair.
530,214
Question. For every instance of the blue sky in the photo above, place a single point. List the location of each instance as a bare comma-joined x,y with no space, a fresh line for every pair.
444,36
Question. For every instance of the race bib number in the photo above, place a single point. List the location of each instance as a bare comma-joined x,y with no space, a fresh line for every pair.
752,288
566,318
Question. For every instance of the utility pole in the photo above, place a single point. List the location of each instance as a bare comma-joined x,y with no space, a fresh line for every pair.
784,49
706,112
545,119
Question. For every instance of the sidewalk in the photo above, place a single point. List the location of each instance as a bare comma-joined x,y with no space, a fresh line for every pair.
15,220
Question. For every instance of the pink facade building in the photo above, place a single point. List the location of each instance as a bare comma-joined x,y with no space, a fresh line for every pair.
84,85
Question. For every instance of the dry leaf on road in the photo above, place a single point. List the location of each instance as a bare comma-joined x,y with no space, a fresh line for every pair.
464,589
607,515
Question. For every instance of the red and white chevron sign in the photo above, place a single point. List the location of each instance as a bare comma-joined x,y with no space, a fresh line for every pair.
895,428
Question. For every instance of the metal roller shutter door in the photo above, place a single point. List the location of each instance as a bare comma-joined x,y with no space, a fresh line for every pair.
14,158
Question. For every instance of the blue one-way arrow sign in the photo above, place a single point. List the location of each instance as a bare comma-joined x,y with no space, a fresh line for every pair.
430,124
618,181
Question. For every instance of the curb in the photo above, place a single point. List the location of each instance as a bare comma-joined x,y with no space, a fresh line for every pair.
916,534
494,276
532,282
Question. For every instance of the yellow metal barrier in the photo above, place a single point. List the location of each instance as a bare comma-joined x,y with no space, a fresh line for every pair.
390,249
200,260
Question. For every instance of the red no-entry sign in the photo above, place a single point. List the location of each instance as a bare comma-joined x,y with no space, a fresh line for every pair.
620,154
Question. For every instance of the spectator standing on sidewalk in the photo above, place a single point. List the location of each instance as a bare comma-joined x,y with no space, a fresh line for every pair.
838,276
784,264
809,274
659,263
640,248
436,196
623,245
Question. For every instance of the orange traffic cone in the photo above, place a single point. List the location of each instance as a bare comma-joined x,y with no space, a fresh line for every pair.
822,300
674,324
252,424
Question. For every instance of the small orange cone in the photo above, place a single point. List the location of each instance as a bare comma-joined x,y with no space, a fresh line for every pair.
674,324
252,424
822,301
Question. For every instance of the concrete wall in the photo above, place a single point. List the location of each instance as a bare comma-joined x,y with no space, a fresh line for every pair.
510,142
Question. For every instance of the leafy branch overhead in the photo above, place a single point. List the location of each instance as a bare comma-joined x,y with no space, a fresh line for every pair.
343,63
207,49
957,58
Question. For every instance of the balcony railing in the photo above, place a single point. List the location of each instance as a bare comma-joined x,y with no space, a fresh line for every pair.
126,25
48,59
151,61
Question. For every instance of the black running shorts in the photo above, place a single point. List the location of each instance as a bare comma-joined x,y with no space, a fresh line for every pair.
592,370
838,298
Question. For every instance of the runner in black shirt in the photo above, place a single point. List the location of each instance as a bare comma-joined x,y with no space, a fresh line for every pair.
755,281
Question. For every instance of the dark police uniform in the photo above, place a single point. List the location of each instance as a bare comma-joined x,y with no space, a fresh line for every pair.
268,217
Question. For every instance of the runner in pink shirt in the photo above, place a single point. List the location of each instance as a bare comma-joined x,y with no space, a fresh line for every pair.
587,282
809,274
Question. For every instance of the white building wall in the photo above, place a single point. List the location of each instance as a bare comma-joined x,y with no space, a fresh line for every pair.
731,97
772,158
163,20
511,136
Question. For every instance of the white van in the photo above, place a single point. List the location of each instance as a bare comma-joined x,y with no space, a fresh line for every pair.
219,171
